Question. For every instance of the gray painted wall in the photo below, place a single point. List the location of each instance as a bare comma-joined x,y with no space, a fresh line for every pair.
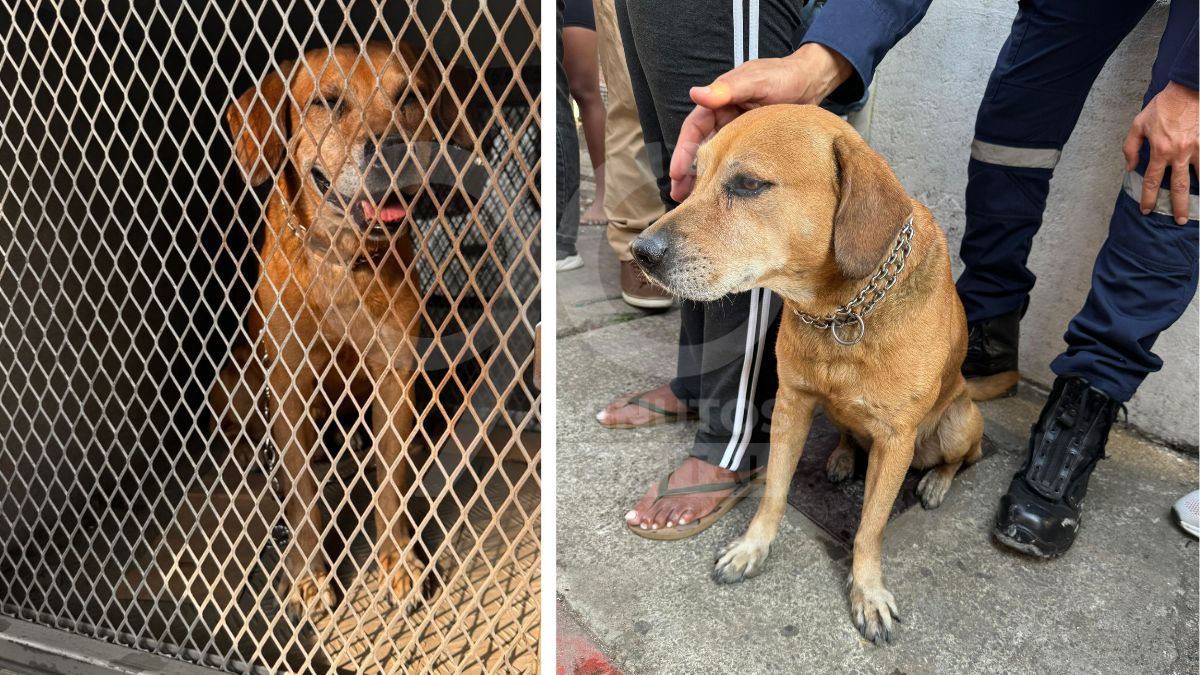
927,91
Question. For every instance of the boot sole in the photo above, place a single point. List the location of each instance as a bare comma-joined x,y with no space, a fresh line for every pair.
1027,548
647,303
989,387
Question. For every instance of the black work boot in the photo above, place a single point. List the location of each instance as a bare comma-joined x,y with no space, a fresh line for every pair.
991,363
1040,514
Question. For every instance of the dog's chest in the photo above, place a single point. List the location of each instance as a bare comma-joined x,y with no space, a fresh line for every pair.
370,314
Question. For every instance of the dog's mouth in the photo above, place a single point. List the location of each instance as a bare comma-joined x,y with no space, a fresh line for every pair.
377,218
385,217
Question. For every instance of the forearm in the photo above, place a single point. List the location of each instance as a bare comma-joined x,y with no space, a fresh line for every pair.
862,32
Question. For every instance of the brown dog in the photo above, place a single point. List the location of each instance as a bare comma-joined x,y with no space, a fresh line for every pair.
790,198
349,136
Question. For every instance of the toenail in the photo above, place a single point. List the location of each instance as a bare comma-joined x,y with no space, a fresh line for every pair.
670,524
654,526
644,526
630,516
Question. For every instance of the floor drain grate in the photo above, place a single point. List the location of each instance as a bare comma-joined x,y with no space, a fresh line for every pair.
837,508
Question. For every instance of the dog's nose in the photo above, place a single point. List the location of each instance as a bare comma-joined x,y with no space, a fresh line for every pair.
386,169
649,251
389,151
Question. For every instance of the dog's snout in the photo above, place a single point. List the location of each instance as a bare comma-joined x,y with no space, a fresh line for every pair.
387,167
389,151
650,251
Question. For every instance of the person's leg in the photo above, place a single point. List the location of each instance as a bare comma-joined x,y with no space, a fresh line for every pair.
582,62
1033,99
736,368
631,201
567,169
1144,277
681,394
1145,274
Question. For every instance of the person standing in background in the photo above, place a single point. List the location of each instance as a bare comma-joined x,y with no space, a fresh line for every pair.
631,201
581,60
566,147
580,63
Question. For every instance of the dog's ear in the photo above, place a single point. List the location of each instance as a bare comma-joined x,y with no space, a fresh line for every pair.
259,122
453,118
872,207
445,113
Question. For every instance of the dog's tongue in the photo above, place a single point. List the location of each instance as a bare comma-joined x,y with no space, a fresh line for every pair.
388,212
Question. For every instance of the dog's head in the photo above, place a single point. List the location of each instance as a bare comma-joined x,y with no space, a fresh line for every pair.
787,197
350,134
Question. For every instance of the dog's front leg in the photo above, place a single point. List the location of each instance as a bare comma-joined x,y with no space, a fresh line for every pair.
871,605
744,556
292,383
392,418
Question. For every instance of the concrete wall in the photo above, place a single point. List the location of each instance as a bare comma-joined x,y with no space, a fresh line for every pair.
927,92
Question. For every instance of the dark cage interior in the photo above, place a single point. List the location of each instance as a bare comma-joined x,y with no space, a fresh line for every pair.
130,244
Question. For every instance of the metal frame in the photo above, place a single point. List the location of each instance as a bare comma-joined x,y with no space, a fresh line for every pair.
131,249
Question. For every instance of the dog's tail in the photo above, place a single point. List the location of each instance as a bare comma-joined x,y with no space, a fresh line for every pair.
1000,385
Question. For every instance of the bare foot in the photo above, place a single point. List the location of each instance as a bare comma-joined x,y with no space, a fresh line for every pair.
594,215
623,414
683,509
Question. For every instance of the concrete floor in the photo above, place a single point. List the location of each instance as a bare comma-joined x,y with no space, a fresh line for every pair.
1123,600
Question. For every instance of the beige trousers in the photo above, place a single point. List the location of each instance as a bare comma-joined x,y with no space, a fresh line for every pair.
631,201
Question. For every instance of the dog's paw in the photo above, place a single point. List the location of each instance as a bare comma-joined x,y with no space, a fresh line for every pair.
840,465
740,560
933,488
308,596
403,573
873,610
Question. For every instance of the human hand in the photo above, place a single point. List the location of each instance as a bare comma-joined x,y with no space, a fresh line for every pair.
807,76
1169,123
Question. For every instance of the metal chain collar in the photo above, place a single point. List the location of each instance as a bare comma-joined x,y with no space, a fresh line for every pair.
302,233
852,313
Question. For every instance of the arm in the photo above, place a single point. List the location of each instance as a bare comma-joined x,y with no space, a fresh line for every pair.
863,32
1169,123
837,58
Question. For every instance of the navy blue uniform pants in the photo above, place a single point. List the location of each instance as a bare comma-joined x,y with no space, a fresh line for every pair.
1145,274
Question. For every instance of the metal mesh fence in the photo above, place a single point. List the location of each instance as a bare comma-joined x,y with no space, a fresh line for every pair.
267,309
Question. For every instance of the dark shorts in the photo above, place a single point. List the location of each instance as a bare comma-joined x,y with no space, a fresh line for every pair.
579,13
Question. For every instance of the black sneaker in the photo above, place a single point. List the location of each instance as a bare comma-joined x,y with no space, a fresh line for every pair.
1040,514
991,364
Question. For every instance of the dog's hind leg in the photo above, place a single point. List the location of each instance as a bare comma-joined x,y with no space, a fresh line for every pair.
744,556
840,464
958,439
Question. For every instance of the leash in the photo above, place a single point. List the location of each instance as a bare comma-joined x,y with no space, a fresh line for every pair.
268,454
852,313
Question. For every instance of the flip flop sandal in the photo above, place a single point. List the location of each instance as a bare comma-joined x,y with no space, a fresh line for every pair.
740,489
664,416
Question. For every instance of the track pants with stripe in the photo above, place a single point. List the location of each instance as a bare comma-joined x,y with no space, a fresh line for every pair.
1145,274
726,368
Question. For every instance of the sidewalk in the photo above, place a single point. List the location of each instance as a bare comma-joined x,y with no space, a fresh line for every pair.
1123,600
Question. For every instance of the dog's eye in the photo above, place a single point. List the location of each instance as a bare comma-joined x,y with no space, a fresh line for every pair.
406,100
743,185
333,104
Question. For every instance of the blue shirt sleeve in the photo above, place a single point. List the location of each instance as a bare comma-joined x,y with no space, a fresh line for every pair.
1184,69
863,31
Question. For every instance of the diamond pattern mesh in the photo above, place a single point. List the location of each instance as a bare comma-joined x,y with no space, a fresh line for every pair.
144,408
